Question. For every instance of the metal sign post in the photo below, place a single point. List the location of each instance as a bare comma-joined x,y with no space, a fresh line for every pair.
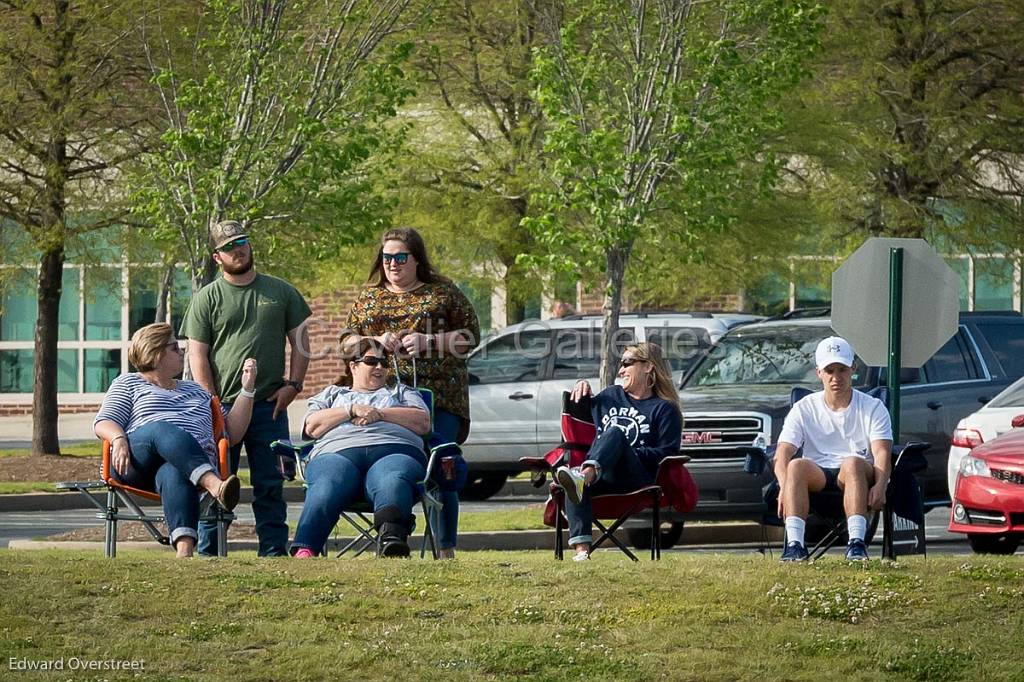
893,376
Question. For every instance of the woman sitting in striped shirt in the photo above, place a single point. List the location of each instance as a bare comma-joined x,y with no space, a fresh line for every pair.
161,432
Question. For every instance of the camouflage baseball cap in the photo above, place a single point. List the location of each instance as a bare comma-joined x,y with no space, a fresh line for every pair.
224,232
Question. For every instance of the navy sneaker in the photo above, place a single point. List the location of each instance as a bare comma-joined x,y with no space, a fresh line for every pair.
856,550
795,551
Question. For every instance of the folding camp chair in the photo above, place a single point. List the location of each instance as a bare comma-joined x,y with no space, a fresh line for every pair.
359,514
673,484
903,497
119,493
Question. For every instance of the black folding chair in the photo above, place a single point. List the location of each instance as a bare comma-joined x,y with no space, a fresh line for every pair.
903,499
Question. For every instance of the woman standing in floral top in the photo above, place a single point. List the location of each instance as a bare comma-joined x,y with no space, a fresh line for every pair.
413,311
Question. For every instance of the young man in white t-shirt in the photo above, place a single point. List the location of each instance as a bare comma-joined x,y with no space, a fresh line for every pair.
846,437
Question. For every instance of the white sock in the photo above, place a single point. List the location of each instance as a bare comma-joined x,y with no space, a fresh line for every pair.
795,529
856,527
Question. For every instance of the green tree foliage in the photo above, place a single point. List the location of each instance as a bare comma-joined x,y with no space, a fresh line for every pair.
652,105
277,117
912,124
71,115
476,143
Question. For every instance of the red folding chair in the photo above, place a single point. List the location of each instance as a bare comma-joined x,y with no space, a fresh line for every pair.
673,487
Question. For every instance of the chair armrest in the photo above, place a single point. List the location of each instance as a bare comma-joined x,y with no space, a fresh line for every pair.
535,464
676,458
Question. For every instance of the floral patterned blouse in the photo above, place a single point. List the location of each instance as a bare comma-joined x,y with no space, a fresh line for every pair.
430,309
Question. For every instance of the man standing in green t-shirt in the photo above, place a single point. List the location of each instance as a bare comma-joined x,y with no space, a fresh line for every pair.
240,315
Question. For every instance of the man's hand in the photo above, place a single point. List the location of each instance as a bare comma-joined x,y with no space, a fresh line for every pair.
365,414
120,455
876,496
580,391
283,397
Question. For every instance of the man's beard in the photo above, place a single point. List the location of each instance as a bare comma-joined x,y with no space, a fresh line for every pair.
240,269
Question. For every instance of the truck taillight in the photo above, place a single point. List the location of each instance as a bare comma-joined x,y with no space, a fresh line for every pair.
967,438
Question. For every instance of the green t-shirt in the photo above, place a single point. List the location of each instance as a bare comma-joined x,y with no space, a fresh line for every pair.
240,322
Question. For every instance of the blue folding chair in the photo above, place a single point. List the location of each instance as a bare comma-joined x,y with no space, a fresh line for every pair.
294,455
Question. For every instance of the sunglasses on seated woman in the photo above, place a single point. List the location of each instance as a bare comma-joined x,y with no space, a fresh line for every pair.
370,360
399,258
629,362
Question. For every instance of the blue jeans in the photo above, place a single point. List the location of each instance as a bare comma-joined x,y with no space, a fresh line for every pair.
446,525
386,475
168,460
621,471
268,505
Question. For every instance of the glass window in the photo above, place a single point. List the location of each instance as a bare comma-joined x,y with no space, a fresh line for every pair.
518,356
103,304
961,267
952,362
181,294
101,367
16,371
70,298
681,345
18,308
993,284
1006,340
143,285
578,351
776,355
1012,395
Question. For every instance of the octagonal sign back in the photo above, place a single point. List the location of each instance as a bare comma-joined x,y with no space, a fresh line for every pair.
860,301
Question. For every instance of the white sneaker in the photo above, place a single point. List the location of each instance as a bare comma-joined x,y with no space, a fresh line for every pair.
571,481
581,556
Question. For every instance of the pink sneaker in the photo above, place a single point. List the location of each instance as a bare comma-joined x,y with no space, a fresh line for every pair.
304,553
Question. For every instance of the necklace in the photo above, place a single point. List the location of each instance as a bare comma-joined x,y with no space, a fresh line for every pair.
156,382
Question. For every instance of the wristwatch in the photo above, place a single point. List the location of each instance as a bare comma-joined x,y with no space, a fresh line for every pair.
297,385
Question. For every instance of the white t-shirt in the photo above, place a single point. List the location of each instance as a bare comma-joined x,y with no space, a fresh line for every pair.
829,436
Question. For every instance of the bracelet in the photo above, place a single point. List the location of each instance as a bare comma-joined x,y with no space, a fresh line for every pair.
116,437
247,394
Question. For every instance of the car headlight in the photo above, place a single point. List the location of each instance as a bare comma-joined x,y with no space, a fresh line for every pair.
973,466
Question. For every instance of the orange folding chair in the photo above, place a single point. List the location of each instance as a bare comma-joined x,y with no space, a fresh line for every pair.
119,493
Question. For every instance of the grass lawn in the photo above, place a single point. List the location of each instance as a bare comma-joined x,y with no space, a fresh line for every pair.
91,448
519,615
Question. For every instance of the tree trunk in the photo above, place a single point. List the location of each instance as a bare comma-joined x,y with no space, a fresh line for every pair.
616,259
163,294
44,391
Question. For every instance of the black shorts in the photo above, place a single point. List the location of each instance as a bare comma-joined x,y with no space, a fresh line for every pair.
831,479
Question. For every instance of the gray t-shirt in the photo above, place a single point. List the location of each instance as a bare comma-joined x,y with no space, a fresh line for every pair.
348,435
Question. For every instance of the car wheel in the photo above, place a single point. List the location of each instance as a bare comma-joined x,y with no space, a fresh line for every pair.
482,486
640,537
994,544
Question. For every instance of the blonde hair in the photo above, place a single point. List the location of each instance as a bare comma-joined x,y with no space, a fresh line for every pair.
663,386
148,344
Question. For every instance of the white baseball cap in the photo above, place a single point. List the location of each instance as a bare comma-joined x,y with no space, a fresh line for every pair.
831,350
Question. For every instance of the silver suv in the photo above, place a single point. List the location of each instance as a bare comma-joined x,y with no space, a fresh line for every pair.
517,377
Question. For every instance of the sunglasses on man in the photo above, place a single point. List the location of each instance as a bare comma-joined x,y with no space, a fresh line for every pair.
370,360
399,258
234,244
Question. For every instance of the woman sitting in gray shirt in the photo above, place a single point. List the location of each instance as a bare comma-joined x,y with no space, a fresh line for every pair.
369,443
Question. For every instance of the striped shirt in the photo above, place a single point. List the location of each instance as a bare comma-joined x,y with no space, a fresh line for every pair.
133,402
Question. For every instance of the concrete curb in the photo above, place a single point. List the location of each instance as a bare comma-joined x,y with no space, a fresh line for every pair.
74,500
698,534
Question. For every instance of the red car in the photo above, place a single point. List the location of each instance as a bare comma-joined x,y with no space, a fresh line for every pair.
988,503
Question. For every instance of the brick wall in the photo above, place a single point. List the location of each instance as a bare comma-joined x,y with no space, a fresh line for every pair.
329,314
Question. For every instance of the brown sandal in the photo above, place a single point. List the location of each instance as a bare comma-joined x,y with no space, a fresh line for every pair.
227,496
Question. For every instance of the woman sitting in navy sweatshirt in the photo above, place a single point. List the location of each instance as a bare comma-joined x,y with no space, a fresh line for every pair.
638,424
